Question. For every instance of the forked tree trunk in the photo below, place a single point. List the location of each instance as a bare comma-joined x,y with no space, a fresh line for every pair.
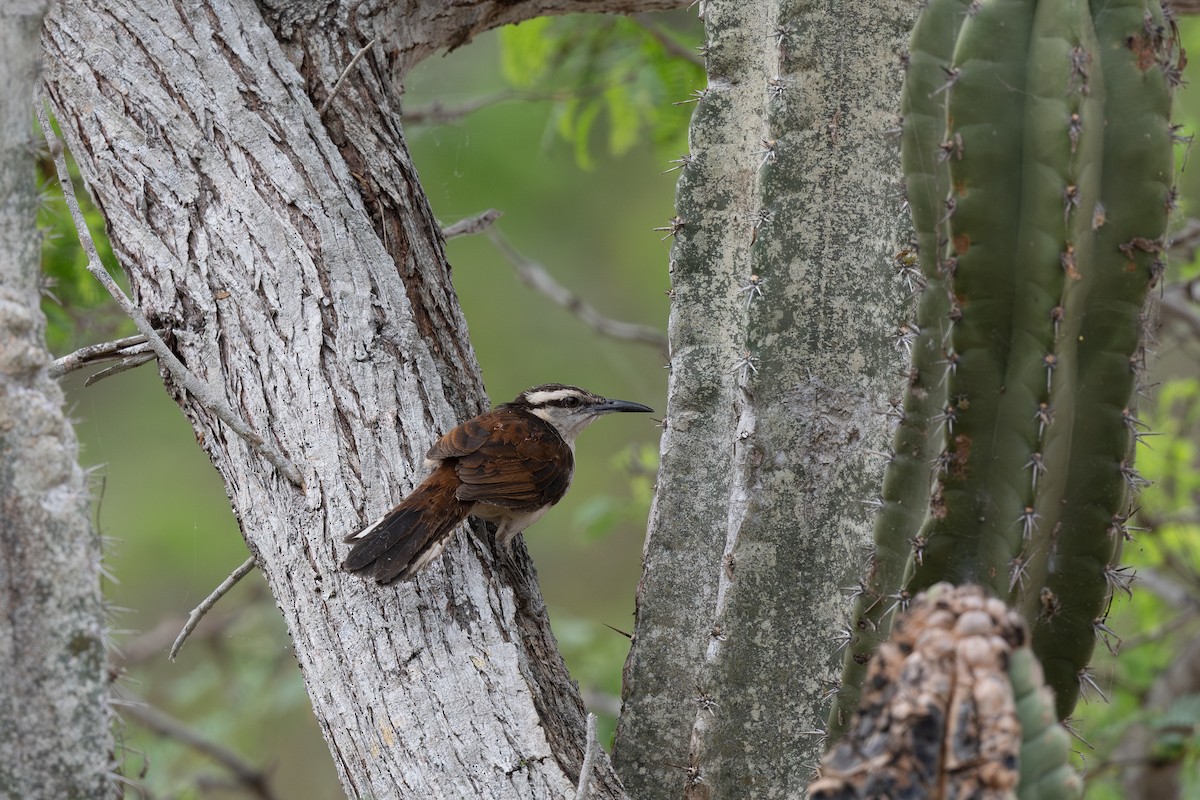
55,737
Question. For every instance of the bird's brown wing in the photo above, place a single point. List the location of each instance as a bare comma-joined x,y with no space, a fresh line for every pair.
508,459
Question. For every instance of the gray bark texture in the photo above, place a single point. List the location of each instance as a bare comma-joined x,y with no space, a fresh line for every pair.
55,721
291,261
782,366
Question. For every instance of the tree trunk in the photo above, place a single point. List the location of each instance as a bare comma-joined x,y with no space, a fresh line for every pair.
55,723
789,214
293,263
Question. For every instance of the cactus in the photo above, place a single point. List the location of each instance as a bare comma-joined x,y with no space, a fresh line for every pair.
954,707
1037,152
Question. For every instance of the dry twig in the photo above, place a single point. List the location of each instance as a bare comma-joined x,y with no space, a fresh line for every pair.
536,277
342,78
130,352
248,776
476,224
199,611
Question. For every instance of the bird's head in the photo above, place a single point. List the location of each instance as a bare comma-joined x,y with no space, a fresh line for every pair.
568,408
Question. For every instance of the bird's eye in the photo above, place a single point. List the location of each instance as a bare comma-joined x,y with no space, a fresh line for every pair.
570,402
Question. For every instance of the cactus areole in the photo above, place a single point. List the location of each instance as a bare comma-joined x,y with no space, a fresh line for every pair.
1037,150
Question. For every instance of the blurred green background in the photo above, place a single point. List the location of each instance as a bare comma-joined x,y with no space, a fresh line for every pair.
574,126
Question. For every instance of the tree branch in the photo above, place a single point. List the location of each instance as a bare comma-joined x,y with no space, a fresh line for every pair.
207,603
536,277
197,388
248,776
476,224
131,351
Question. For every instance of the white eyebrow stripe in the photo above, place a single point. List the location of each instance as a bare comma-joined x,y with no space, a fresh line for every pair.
541,398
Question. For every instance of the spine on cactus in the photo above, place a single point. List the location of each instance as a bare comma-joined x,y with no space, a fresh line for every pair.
1037,151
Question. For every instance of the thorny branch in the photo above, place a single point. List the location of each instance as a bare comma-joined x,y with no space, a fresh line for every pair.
536,277
194,386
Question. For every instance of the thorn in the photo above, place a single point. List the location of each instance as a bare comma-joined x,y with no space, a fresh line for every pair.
776,87
918,547
683,162
1028,519
695,97
947,417
673,226
1121,579
951,78
1020,567
906,335
768,152
1039,467
1044,417
1133,477
1088,686
751,289
1106,635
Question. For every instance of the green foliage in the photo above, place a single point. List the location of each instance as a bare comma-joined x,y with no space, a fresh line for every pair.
620,70
598,515
1158,631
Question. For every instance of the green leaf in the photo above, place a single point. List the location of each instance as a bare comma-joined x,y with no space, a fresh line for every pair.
526,51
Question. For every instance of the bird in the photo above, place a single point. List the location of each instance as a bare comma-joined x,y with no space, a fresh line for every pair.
506,466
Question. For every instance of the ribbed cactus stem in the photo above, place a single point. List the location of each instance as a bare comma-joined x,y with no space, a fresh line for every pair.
1037,151
1139,56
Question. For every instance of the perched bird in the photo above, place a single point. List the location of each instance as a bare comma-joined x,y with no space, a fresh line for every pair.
506,466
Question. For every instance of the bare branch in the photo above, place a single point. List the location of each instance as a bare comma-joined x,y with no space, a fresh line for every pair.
476,224
342,78
589,759
1184,6
199,611
438,113
536,277
197,388
452,25
248,776
98,353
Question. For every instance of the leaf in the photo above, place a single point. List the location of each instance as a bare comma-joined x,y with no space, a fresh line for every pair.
526,51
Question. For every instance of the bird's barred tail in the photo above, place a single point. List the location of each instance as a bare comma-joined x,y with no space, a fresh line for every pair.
402,542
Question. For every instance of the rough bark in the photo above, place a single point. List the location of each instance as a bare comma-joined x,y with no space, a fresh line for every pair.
789,214
55,722
294,263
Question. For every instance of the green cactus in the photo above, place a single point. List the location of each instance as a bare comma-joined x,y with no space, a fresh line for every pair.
1037,152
